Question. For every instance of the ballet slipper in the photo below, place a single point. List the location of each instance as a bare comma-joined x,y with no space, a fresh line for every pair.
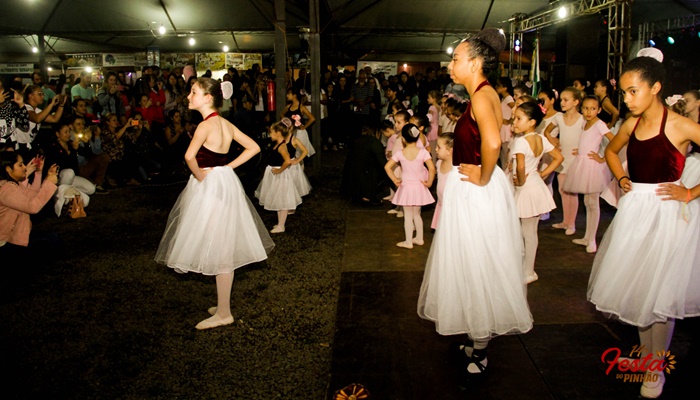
393,211
417,242
277,229
211,310
213,322
399,214
405,245
560,225
531,278
652,390
478,363
570,231
592,247
582,242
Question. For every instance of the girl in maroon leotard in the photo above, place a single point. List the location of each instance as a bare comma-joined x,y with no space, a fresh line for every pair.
647,269
474,283
211,229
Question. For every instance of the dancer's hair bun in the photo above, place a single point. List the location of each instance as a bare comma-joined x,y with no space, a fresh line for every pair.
494,38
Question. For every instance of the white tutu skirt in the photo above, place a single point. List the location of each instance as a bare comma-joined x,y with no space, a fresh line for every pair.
534,197
278,192
301,181
646,269
213,227
587,176
474,281
691,172
303,137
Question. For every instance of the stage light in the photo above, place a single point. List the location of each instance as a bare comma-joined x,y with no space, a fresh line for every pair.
88,69
450,50
652,43
161,30
34,49
562,12
670,40
516,45
192,41
405,65
225,49
49,69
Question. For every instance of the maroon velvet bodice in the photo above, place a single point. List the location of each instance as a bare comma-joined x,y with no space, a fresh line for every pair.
209,159
467,143
654,160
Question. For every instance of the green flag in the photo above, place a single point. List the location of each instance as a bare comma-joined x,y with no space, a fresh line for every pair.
535,69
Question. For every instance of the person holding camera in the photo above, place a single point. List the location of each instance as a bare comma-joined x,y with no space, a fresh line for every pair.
12,115
33,97
18,199
109,97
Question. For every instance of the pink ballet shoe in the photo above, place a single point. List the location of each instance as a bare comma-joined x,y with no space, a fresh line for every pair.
560,225
582,242
393,211
214,322
399,214
531,278
570,231
417,242
211,310
652,390
277,229
405,245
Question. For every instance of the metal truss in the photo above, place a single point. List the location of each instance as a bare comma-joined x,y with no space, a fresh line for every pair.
647,30
619,26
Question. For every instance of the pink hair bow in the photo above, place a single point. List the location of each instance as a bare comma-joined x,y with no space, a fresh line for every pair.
671,100
297,120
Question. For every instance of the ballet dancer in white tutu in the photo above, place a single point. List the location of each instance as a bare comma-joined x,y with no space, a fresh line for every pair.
213,227
647,270
473,282
277,190
531,194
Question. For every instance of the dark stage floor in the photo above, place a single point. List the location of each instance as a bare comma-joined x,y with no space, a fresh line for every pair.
382,344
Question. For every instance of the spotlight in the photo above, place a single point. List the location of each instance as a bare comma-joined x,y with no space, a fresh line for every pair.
670,40
562,12
34,49
88,69
225,49
49,69
192,41
516,45
405,65
161,30
450,50
652,43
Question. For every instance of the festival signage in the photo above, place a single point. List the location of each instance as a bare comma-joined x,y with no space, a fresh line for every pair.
140,60
211,61
252,59
174,60
84,60
117,60
235,60
17,68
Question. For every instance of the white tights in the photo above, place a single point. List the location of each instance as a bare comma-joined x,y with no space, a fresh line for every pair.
529,232
412,220
282,217
656,337
592,203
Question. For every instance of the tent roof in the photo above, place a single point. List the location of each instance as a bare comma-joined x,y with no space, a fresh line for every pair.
357,27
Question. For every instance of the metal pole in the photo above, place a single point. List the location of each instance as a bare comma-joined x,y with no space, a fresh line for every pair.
315,59
280,57
41,45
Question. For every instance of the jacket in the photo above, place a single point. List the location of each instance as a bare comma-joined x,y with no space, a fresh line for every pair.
17,201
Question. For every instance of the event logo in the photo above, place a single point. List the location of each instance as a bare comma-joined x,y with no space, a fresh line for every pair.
635,367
